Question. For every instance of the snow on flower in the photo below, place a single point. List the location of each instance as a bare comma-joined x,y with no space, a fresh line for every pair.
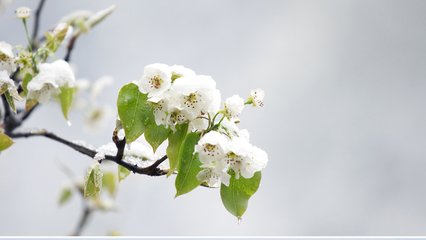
256,97
7,84
7,58
233,107
23,12
49,80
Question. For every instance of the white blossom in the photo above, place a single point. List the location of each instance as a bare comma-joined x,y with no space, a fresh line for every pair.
211,150
156,80
196,95
213,177
49,80
233,107
244,158
7,58
256,97
23,12
211,147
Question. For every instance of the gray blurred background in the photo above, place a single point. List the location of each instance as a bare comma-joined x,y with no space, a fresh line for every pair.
344,121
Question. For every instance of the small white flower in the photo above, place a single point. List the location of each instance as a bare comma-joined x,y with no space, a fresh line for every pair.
238,156
213,177
155,81
233,107
181,71
196,95
7,58
256,97
244,158
23,12
211,151
49,80
211,147
7,84
160,112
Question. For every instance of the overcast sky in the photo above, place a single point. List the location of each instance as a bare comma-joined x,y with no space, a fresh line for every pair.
344,121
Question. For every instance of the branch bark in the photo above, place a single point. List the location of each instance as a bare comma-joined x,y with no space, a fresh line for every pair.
152,170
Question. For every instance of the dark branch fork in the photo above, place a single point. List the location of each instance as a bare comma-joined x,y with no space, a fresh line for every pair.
152,170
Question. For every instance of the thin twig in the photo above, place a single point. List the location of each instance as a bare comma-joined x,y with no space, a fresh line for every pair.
83,220
152,170
70,47
37,23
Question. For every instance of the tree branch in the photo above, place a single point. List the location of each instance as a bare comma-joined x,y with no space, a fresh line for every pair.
70,47
83,220
152,170
37,17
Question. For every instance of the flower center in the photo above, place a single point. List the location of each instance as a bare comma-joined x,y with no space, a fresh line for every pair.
191,100
211,150
233,159
177,117
155,82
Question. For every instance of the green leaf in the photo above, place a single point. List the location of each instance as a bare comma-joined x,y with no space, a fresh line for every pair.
5,141
134,111
122,173
66,97
235,196
93,182
189,165
10,100
156,135
109,183
175,141
27,78
65,196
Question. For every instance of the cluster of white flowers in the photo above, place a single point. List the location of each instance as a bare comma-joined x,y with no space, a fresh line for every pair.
49,80
179,95
228,148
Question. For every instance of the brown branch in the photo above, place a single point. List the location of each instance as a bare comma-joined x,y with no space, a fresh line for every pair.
152,170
